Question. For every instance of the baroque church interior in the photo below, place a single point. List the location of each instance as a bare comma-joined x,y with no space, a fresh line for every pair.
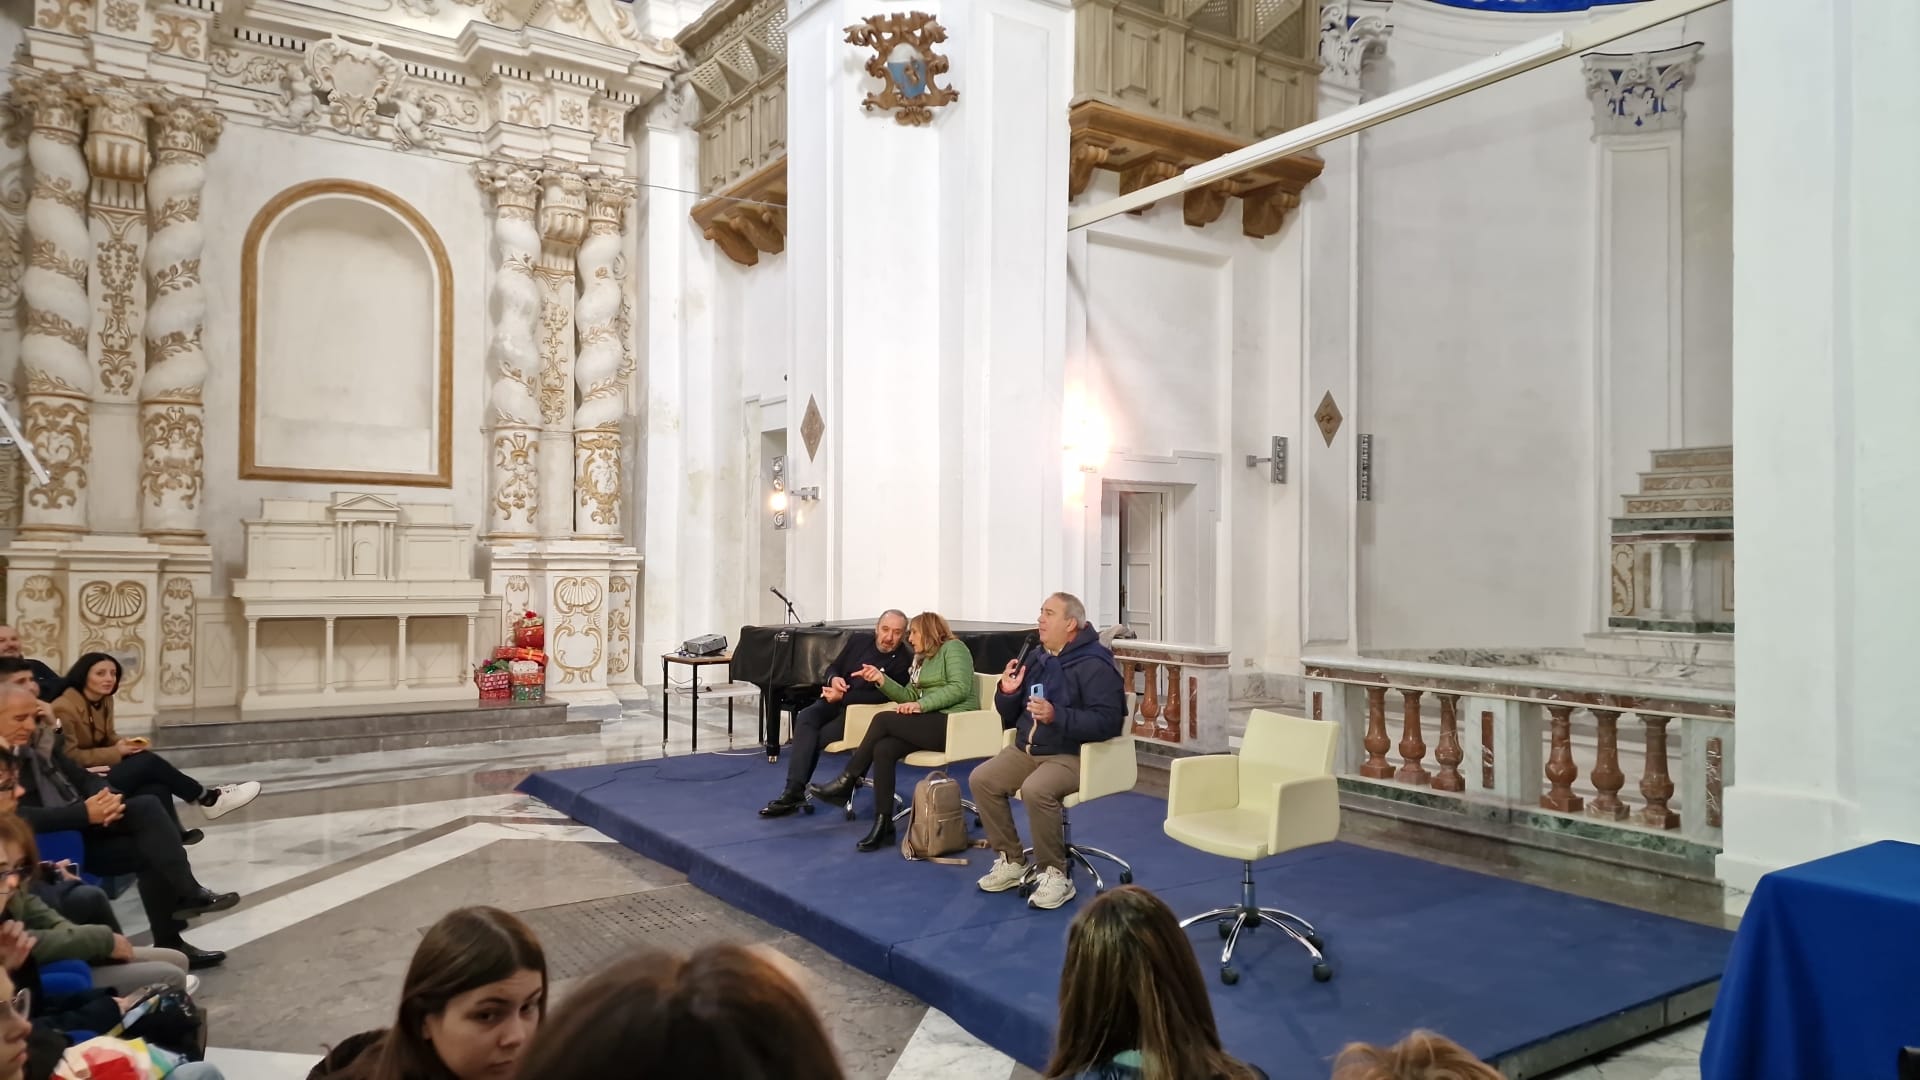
465,440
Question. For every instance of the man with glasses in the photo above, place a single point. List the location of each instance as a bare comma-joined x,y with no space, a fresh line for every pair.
825,720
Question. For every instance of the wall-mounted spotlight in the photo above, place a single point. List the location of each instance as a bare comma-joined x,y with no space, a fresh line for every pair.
1277,457
777,501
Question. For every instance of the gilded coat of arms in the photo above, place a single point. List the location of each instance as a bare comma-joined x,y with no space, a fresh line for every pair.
906,65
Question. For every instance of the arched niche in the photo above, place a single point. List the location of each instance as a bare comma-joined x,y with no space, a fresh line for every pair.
346,340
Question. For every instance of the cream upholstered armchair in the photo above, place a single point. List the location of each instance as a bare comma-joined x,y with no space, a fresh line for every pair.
1106,768
974,733
1277,794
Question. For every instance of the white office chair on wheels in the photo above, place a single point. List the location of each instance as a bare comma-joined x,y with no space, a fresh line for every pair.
1106,768
974,733
1277,794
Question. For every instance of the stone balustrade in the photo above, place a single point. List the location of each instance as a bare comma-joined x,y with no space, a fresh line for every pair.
1530,739
1177,694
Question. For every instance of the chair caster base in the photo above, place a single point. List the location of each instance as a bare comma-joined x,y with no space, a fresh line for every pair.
1126,877
1321,972
807,808
1229,976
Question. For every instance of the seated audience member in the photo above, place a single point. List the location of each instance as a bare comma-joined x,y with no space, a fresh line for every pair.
46,683
57,885
117,963
825,720
1067,694
85,713
14,1029
940,681
1422,1055
726,1011
1133,1004
473,997
130,835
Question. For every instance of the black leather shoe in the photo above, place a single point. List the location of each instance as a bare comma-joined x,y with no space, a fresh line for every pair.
835,792
205,903
201,959
879,836
786,803
192,837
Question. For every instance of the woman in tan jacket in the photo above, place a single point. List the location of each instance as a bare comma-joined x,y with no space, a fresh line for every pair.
85,717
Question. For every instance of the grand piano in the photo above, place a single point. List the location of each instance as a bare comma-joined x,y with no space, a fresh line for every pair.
789,662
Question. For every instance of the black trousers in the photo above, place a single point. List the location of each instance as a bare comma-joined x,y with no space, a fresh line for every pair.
78,902
813,727
892,737
147,773
145,842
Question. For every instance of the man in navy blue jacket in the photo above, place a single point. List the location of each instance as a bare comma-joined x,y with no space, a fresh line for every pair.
825,720
1065,694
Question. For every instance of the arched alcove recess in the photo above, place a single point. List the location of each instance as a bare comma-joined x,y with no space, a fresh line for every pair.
346,340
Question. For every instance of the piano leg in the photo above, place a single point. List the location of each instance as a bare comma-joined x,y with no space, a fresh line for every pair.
770,722
666,696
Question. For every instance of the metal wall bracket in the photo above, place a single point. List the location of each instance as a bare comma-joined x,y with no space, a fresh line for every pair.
1276,457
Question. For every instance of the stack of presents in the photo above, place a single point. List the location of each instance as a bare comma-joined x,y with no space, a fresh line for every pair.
518,670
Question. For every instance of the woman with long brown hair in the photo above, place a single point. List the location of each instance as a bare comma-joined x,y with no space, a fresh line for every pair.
1133,1005
725,1011
940,681
474,994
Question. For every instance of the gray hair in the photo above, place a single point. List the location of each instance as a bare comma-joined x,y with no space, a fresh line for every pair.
891,613
10,690
1071,607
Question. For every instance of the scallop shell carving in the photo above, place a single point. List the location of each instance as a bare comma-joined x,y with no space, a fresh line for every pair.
104,603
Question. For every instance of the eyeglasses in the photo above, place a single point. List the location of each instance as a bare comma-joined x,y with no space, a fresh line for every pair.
14,875
21,1004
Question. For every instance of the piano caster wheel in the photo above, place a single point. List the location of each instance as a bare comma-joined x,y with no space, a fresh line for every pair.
773,757
806,808
849,811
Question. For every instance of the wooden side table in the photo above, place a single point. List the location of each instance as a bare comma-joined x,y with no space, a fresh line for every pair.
667,660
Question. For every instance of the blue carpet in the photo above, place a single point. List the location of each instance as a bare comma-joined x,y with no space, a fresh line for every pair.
1495,964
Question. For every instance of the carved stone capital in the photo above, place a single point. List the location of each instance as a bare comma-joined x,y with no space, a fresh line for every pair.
117,133
183,130
563,208
607,200
1349,42
53,102
1639,93
514,185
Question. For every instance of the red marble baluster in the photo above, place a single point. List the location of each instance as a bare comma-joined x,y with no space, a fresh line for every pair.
1655,785
1150,703
1561,771
1713,782
1607,777
1193,708
1486,748
1173,703
1316,706
1448,753
1135,675
1376,742
1412,746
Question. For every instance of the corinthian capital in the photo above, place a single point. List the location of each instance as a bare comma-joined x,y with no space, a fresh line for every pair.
1348,42
185,129
1636,93
563,207
515,187
607,200
54,103
116,132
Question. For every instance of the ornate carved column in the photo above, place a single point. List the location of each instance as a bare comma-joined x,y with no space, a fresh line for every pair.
116,150
605,363
563,223
172,458
58,412
513,349
13,253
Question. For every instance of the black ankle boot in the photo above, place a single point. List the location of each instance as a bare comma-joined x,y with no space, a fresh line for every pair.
835,792
880,835
783,804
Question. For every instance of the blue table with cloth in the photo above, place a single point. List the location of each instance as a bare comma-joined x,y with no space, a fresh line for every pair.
1824,978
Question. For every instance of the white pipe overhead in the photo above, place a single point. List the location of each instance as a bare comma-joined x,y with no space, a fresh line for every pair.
1503,65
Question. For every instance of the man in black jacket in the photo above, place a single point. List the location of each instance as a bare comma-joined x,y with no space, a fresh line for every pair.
130,835
826,719
1067,693
48,682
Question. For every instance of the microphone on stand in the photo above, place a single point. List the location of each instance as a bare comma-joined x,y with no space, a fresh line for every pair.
792,615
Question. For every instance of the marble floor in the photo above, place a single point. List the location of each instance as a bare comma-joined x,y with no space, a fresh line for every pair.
344,861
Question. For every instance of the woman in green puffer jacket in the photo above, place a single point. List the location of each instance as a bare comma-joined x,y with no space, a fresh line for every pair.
942,681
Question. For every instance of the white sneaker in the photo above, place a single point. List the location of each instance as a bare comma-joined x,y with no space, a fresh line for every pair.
1006,874
231,797
1055,888
193,985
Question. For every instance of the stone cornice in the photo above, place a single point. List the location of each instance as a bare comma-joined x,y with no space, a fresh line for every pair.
1145,150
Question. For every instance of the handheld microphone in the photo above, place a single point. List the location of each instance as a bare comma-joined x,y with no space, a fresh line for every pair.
1027,647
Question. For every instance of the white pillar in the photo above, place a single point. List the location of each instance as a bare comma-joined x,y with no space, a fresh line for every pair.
253,658
1824,395
400,654
1657,579
326,659
172,455
57,415
1684,606
936,357
513,488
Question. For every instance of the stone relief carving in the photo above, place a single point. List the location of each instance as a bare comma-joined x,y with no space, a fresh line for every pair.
1638,93
517,480
179,35
412,113
110,616
574,624
598,482
619,624
59,430
176,638
351,88
356,79
40,613
1348,43
247,70
171,449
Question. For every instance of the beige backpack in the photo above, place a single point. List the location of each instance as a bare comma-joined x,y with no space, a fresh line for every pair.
939,824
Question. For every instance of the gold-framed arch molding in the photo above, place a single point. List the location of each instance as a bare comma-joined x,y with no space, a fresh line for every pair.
346,340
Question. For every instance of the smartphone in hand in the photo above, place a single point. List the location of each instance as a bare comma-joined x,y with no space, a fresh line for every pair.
1037,691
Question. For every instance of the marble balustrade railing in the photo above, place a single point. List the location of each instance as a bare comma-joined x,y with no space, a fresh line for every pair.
1177,694
1503,736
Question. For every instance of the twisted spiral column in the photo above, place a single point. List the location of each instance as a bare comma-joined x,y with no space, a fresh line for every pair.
57,417
172,457
513,350
604,366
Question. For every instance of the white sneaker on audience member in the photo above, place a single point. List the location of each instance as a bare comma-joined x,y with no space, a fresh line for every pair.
231,797
193,985
1006,874
1054,889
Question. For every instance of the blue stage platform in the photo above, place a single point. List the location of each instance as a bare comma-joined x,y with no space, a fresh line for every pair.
1497,965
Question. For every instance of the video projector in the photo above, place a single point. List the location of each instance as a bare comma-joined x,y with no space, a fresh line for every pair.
705,645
